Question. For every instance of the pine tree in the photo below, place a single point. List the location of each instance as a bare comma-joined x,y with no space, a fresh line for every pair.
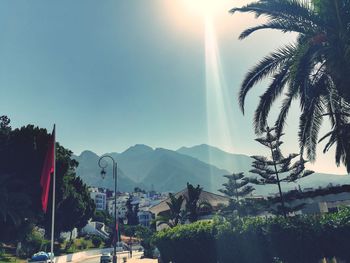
236,187
277,168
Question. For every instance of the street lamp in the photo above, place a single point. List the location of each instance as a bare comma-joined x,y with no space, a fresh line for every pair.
115,174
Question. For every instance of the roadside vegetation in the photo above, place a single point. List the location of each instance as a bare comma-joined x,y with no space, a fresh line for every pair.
299,239
24,226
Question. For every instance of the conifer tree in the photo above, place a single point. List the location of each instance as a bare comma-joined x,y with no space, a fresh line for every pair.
277,168
236,187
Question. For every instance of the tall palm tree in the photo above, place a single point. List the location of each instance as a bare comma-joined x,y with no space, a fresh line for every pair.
175,214
315,69
194,206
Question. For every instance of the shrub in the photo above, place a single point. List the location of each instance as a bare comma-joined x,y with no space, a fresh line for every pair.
83,245
96,241
300,239
32,243
187,243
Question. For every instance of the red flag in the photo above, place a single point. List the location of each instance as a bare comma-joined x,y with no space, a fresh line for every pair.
48,169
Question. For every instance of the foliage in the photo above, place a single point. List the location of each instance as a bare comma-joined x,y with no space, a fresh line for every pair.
194,207
175,215
145,234
33,242
103,216
21,191
187,243
96,241
77,207
11,258
300,239
131,213
14,205
237,189
78,244
244,207
315,69
236,186
277,168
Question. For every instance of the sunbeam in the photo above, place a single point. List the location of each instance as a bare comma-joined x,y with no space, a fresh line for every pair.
218,99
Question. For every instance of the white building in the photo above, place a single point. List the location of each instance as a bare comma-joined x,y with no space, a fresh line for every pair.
145,217
95,228
99,199
121,205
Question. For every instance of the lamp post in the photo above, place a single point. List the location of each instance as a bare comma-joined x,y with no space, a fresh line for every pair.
115,174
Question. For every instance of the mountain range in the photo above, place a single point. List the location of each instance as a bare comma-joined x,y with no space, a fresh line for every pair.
167,170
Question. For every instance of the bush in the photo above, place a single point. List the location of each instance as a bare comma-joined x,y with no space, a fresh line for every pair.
300,239
187,243
33,242
96,241
83,245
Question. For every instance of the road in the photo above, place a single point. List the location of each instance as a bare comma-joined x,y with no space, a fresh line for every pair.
135,259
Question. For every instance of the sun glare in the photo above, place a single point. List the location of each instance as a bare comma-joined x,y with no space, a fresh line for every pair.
206,8
201,7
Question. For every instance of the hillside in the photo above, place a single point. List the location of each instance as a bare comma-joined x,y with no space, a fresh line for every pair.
167,170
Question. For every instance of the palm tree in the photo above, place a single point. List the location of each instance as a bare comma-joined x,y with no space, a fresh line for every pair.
175,215
315,69
195,206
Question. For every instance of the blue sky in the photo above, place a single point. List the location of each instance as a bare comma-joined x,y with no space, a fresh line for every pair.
111,74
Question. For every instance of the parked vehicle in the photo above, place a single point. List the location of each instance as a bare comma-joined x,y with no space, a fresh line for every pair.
41,257
106,258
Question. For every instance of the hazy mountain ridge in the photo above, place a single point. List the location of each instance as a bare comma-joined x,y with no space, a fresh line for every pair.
242,163
215,156
160,169
167,170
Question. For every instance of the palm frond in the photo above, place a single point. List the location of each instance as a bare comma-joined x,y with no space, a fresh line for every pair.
267,66
266,100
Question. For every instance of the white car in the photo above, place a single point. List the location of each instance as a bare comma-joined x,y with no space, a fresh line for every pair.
41,257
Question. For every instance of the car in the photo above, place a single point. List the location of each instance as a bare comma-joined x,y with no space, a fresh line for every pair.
41,257
106,258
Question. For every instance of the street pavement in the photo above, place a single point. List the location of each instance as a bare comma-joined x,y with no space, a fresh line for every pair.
135,259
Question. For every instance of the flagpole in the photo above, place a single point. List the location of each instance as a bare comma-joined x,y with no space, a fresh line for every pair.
53,192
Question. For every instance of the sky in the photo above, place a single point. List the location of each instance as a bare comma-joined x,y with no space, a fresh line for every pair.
112,74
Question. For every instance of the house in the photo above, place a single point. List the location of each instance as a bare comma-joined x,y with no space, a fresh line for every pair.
121,202
318,201
95,228
99,199
145,217
216,202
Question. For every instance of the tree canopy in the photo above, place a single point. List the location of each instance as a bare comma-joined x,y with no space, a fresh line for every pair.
22,152
315,70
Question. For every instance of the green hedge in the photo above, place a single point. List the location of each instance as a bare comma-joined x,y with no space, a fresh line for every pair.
300,239
187,243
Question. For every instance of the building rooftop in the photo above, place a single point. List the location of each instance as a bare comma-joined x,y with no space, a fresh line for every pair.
213,199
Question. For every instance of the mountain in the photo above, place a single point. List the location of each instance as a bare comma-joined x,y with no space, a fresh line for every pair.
215,156
90,173
242,163
171,171
160,169
167,170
